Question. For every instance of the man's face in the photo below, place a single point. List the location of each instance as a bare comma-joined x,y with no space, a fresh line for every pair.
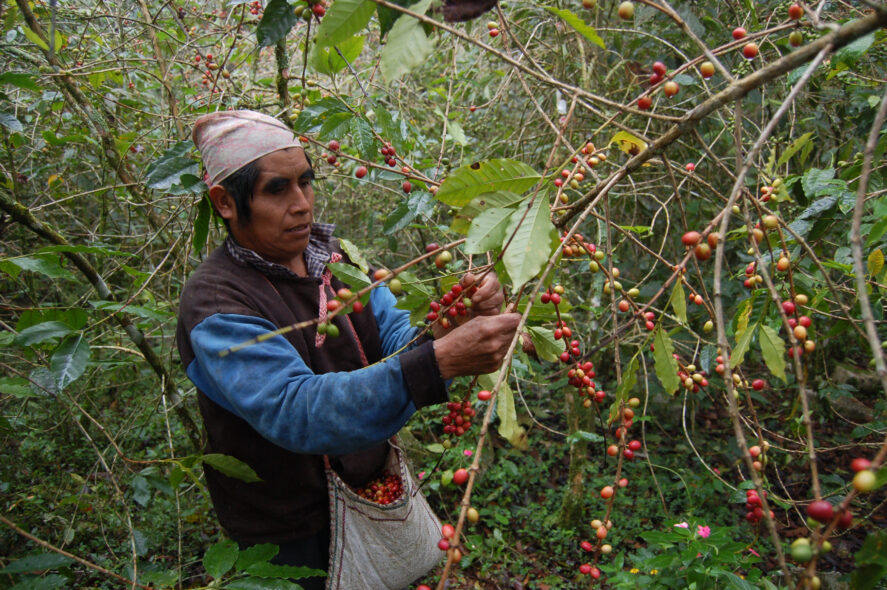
282,209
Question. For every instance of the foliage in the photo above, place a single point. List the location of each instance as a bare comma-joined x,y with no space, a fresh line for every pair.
526,152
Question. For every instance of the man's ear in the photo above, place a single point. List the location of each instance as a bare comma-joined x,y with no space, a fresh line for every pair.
223,202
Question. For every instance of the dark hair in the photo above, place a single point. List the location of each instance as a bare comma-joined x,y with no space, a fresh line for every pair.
241,184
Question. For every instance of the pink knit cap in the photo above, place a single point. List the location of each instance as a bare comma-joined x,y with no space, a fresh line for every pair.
229,140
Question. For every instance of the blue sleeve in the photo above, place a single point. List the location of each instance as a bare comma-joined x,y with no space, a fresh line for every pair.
394,324
270,386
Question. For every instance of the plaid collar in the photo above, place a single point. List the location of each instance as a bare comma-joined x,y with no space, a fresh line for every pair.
317,254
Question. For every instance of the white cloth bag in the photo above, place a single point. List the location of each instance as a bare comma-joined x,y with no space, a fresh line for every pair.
380,547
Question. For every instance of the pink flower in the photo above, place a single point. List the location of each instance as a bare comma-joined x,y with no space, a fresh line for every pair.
682,525
753,552
703,531
421,474
467,452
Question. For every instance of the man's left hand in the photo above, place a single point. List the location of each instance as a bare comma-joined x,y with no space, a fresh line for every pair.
489,297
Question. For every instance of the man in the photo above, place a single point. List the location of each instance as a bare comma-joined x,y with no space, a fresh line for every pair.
281,404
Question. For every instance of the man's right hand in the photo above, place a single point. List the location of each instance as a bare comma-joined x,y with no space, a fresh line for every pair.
477,347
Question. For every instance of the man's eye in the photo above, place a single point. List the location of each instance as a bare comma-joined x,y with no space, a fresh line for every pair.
305,183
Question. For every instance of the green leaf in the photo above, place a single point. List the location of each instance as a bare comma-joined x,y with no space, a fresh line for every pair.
9,121
253,583
547,347
220,558
69,360
472,180
277,20
850,53
362,138
41,333
388,16
531,246
349,274
201,225
578,24
419,203
37,563
15,386
231,466
256,554
678,301
875,262
326,60
35,38
408,45
270,570
508,428
141,491
487,231
773,350
23,81
665,363
791,150
742,344
743,314
149,313
354,254
167,170
312,117
454,129
336,125
44,264
817,182
462,220
343,19
50,582
628,143
581,435
629,380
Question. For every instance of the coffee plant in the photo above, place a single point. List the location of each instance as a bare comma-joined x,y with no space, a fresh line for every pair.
686,201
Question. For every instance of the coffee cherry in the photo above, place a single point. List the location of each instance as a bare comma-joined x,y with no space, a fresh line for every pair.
690,166
395,286
671,88
788,307
795,38
645,102
626,10
607,492
702,252
660,68
864,481
750,50
738,33
860,463
707,69
758,384
801,550
460,476
407,186
484,395
691,238
472,515
333,146
820,510
360,171
319,10
443,544
795,12
443,259
447,530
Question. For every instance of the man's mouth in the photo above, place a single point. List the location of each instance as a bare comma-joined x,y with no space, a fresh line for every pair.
300,229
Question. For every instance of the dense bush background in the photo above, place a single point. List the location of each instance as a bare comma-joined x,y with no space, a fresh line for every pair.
104,217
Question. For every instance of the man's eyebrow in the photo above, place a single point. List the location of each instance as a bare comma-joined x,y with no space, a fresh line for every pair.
307,175
275,183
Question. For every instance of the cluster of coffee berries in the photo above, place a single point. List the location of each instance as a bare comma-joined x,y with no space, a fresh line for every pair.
208,75
577,246
383,490
493,28
753,506
649,320
799,326
450,306
552,295
865,479
255,7
344,295
457,421
571,347
632,447
388,153
753,278
690,378
701,249
581,377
